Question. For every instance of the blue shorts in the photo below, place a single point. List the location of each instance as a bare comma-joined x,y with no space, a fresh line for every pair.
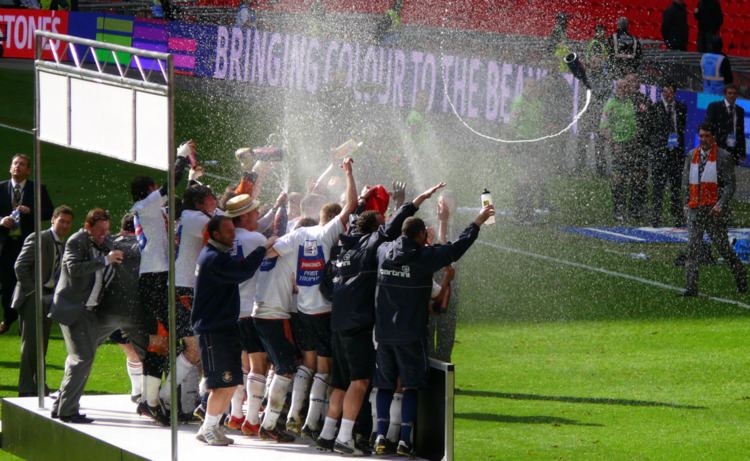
409,362
278,341
221,357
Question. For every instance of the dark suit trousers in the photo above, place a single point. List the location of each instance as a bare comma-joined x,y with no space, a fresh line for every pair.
666,170
82,338
27,380
700,220
8,255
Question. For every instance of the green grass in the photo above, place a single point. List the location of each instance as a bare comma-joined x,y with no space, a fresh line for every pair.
553,361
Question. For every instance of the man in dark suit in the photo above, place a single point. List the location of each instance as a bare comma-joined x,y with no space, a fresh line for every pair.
710,183
16,223
23,296
87,267
729,121
668,118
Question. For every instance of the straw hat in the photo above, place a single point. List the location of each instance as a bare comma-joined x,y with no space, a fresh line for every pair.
239,205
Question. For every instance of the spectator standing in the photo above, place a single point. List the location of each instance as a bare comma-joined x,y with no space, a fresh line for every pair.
618,126
728,121
716,68
709,16
668,140
710,180
17,222
674,26
625,51
53,240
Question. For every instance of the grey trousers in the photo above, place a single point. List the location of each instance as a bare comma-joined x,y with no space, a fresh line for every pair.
700,220
27,380
82,338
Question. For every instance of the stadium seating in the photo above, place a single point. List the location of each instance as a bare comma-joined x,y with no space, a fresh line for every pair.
528,17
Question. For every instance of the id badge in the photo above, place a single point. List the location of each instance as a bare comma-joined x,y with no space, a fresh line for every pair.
731,140
672,141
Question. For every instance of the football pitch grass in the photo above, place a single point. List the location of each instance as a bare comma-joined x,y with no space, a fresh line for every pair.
566,348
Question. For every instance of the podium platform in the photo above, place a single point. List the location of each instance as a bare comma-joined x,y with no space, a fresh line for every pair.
119,434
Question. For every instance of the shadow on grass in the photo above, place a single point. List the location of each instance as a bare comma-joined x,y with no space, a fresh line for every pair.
593,400
540,419
10,364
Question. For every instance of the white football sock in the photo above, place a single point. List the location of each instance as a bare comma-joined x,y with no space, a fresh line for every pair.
237,398
182,369
276,398
135,372
374,408
394,428
345,431
329,429
300,389
256,388
150,390
211,420
317,400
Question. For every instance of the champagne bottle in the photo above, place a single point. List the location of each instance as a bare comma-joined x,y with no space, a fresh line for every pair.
486,201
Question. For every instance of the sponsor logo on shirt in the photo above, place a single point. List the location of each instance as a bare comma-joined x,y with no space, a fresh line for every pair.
403,273
311,264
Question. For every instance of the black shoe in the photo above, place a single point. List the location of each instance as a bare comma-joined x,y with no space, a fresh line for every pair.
404,449
309,434
275,435
363,443
383,446
742,286
186,418
689,293
4,327
324,444
53,413
348,448
135,398
76,419
158,414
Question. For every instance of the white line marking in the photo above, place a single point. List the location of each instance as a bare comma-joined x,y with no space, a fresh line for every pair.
608,272
617,234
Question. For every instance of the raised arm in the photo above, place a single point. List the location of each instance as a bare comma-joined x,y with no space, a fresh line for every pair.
351,191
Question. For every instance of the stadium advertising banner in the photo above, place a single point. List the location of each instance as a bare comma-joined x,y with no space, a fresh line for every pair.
18,26
480,88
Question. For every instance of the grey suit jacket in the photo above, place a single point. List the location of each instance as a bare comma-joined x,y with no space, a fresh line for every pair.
24,268
77,277
724,176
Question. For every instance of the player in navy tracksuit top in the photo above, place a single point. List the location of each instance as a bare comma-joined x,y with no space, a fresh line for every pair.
405,270
216,308
353,318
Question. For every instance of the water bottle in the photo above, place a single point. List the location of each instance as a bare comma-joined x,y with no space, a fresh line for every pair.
346,149
16,216
486,201
268,154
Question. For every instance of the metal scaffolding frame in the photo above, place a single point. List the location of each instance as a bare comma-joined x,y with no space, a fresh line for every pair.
80,59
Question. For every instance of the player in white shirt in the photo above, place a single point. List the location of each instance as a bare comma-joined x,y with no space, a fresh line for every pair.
311,248
151,232
199,205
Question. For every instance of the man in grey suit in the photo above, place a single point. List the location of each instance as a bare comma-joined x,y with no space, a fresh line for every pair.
88,265
709,180
23,296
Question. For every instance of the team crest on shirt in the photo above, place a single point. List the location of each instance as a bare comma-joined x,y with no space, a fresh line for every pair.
226,376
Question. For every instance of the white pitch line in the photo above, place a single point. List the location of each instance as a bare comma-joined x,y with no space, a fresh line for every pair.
608,272
616,234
